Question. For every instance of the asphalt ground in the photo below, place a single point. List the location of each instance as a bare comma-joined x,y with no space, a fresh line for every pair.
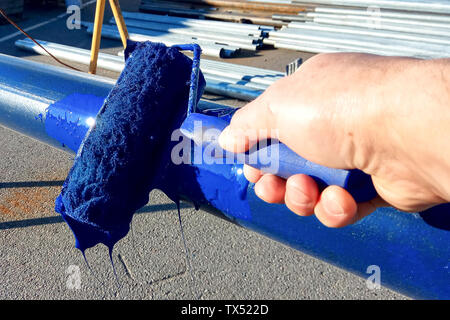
37,255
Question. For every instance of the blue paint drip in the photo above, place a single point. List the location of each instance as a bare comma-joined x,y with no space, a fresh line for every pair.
119,159
39,117
221,186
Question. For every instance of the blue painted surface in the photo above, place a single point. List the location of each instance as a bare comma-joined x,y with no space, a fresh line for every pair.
412,250
69,119
413,255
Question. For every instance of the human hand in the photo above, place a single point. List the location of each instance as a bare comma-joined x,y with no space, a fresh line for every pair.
387,116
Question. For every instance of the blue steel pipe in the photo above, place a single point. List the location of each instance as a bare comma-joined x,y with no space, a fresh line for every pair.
57,106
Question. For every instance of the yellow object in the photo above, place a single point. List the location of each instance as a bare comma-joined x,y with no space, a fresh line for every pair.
97,34
119,21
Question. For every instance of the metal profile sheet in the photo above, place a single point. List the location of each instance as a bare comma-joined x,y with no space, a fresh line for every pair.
442,6
190,22
391,35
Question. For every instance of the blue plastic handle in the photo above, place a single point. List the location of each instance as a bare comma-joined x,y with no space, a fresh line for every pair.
277,158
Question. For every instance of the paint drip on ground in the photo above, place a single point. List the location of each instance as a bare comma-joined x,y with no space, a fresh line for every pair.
121,159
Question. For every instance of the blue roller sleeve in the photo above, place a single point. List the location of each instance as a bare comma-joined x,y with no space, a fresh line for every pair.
277,158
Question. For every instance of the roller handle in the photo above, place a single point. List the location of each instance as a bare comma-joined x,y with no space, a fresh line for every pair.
278,159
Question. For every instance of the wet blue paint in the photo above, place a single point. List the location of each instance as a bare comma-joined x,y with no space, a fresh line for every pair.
411,249
413,255
39,117
120,157
68,119
221,186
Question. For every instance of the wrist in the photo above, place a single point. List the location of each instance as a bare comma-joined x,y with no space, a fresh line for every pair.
417,118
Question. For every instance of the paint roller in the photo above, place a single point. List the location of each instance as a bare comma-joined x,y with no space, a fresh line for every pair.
124,155
120,159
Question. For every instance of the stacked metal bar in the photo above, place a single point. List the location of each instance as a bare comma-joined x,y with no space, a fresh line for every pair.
232,80
210,48
217,38
433,6
245,36
255,12
377,30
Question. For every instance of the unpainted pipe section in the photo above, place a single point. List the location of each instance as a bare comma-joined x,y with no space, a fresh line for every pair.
290,17
221,25
246,5
390,27
205,33
245,42
241,82
387,14
402,47
210,48
378,22
214,15
382,34
324,47
198,29
410,250
406,5
339,30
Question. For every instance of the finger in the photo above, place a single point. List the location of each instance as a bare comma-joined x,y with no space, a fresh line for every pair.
366,208
336,207
252,174
249,124
302,194
271,188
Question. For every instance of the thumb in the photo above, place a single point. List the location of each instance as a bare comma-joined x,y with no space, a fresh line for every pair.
249,124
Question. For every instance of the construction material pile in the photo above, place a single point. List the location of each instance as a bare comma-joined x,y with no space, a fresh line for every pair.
404,28
254,12
217,38
227,79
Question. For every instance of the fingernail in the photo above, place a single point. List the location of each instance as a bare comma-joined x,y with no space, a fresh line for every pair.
332,207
